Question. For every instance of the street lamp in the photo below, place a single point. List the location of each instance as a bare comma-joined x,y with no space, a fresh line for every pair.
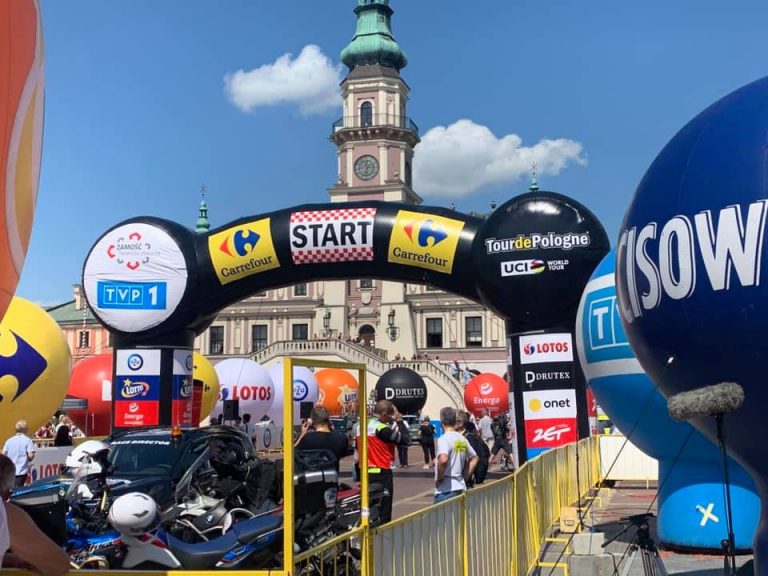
392,330
326,321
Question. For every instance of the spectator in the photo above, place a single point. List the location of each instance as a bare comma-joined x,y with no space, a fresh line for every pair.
29,547
238,423
316,434
405,443
468,429
383,435
484,427
500,429
455,370
74,430
247,427
427,440
47,430
466,375
21,451
456,460
63,436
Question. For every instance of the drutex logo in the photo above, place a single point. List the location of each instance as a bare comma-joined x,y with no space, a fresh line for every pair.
243,251
424,240
133,389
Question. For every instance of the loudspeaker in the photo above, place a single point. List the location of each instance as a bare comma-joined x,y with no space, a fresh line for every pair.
231,409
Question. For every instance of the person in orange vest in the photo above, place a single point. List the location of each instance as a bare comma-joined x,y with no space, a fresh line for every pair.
383,438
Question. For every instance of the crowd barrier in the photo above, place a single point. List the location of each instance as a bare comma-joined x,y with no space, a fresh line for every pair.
496,529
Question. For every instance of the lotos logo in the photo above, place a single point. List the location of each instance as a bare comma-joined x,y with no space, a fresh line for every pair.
486,388
132,389
538,348
243,251
223,394
243,242
428,233
424,240
135,362
245,393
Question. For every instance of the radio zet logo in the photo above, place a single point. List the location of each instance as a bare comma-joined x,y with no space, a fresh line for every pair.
551,434
424,240
135,362
243,251
522,267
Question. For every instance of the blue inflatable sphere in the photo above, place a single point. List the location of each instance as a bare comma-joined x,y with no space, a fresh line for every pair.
691,504
692,276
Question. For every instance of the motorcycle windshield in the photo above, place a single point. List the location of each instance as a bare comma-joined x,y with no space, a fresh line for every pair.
79,489
185,483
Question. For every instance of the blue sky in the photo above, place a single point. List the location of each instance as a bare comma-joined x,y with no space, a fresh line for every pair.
138,116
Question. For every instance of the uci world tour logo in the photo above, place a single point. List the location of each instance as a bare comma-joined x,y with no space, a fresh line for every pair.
242,251
424,240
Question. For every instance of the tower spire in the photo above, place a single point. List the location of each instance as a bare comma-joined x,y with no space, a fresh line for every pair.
202,219
534,187
373,42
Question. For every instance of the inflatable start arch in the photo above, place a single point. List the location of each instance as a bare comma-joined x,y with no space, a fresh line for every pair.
156,284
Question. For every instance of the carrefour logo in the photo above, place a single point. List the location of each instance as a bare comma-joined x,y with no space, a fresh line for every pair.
424,240
132,389
242,242
242,251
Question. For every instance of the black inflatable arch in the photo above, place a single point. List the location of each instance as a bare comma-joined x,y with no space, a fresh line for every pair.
156,284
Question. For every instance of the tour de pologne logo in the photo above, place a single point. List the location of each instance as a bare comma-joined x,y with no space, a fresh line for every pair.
132,251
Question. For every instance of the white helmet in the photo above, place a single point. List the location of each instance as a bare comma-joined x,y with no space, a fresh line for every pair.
133,514
90,453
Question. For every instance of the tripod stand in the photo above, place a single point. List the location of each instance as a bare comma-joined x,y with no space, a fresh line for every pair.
643,545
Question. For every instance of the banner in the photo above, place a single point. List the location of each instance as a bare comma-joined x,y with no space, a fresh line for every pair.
137,388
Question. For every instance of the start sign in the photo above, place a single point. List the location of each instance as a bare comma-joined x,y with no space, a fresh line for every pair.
332,236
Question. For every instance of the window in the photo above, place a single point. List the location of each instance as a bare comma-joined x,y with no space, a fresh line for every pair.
85,339
474,330
216,344
366,283
434,332
408,174
300,290
259,336
300,332
366,114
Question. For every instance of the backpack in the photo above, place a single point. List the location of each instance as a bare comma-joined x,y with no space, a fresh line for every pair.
405,434
483,457
496,429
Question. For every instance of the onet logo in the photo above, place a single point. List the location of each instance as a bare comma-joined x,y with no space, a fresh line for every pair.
536,404
428,233
242,242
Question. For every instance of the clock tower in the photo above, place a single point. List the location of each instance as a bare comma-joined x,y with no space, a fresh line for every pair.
375,137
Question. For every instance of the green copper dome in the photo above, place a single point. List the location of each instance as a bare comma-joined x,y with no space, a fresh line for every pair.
373,42
202,219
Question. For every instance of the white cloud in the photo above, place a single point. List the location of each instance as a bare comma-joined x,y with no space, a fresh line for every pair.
311,81
460,159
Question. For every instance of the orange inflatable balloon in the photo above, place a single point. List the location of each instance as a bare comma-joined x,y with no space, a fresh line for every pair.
92,381
21,132
338,391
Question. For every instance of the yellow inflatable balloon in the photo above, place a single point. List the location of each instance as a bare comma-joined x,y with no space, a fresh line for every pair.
204,371
34,366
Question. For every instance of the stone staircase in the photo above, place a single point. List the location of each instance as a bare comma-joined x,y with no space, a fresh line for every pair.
377,364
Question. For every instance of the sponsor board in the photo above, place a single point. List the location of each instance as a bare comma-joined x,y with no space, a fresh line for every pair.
136,389
424,240
545,241
135,277
182,392
547,375
344,235
544,404
243,251
538,348
549,433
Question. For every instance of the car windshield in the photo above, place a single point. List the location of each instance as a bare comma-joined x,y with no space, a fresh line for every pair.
142,457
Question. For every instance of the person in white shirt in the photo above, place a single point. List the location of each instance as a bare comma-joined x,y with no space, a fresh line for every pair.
21,450
456,459
484,427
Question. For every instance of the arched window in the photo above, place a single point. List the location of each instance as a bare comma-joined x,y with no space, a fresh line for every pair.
366,114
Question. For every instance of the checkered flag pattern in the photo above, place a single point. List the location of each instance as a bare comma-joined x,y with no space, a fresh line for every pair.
362,252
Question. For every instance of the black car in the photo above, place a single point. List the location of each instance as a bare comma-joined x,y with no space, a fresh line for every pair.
151,461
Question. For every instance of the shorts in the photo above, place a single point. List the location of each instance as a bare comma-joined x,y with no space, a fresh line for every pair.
499,445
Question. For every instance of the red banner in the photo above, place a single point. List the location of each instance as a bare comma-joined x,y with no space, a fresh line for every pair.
550,433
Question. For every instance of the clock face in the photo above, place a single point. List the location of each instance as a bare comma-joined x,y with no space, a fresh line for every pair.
366,167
